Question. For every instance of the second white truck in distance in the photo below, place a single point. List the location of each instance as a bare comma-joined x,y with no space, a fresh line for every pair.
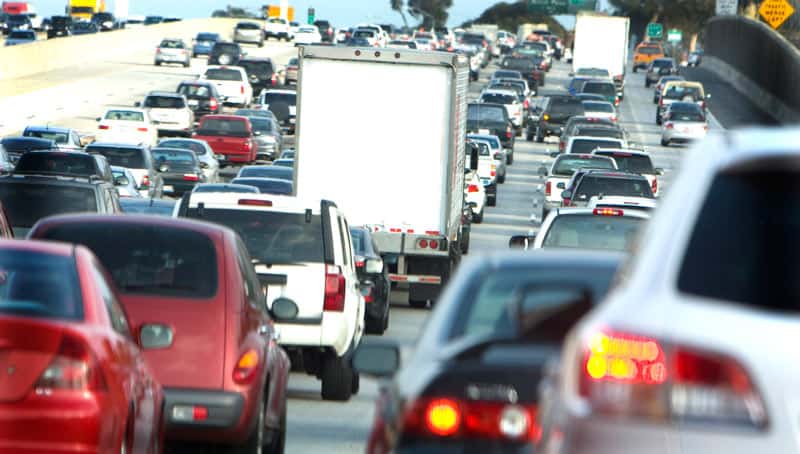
398,171
601,41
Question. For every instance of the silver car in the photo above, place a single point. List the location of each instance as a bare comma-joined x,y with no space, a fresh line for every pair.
683,122
125,182
498,154
173,51
248,32
209,162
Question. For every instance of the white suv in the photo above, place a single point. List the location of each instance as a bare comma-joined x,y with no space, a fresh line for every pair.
278,28
301,251
170,112
696,350
232,84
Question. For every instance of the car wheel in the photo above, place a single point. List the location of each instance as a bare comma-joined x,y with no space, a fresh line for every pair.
510,158
261,43
255,442
277,437
356,383
158,63
477,217
465,245
658,120
664,143
634,69
501,179
337,379
187,64
646,83
539,135
492,202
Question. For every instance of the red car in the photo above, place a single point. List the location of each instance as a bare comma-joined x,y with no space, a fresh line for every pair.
191,290
72,379
231,136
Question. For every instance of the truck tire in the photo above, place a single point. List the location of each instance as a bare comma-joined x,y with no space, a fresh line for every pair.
464,242
634,69
337,379
492,202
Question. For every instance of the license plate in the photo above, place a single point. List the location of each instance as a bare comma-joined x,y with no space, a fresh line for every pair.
193,103
168,189
483,131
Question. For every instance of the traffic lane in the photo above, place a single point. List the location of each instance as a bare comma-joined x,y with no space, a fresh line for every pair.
314,425
77,100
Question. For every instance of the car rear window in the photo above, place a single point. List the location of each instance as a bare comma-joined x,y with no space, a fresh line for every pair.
276,20
248,26
26,202
261,125
690,94
39,285
190,90
164,102
594,106
590,131
171,44
174,156
223,74
20,145
272,237
601,88
592,232
207,37
497,99
257,67
592,185
57,137
662,64
267,185
363,34
686,116
283,173
288,98
752,261
566,106
477,112
124,115
149,259
650,50
132,158
196,147
61,164
568,165
634,163
221,127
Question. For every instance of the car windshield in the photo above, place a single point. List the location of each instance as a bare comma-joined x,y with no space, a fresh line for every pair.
484,310
602,88
589,145
191,90
592,185
272,237
132,158
164,102
567,165
27,203
207,37
149,259
171,44
594,106
634,163
496,114
198,148
124,115
589,231
496,98
60,163
267,185
650,50
57,137
39,285
223,74
223,127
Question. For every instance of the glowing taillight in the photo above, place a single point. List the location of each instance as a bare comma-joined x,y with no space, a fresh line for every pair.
334,289
607,212
190,177
669,125
546,117
472,188
142,129
146,181
654,186
241,89
212,104
526,104
561,145
255,202
246,367
547,188
105,127
616,101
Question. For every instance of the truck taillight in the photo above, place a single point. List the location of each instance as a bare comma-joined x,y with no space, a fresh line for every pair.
654,185
447,417
334,289
241,89
639,377
73,368
548,188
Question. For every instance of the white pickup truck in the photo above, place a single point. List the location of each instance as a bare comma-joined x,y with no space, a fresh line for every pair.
278,28
231,82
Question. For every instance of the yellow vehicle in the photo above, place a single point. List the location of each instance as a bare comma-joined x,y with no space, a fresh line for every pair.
645,53
84,9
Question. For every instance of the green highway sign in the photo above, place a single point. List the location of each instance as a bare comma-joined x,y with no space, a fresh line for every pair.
553,7
311,16
655,30
674,35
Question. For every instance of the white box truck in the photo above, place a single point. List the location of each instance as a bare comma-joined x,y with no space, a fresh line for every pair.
381,133
601,41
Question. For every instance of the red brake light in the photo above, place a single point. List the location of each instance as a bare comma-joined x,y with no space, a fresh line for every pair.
423,243
146,181
561,146
246,367
190,177
548,188
212,104
669,126
654,186
255,202
74,368
433,244
607,212
334,289
241,89
142,129
360,263
472,188
616,101
103,127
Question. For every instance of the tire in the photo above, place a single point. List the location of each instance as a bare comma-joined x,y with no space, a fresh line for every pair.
477,218
658,121
355,383
664,143
646,83
277,443
418,304
492,203
194,55
261,43
158,63
634,69
186,65
539,135
465,245
255,442
502,179
510,159
337,379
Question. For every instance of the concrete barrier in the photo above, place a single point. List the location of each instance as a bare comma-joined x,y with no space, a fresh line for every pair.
61,53
756,61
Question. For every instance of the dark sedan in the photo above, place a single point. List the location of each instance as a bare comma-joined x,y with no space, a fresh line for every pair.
471,385
267,185
180,169
267,171
369,267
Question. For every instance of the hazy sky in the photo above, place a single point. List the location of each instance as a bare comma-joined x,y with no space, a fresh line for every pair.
339,12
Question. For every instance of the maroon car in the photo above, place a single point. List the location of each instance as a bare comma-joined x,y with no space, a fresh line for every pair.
195,300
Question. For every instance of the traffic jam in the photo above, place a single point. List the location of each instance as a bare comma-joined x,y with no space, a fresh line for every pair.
168,279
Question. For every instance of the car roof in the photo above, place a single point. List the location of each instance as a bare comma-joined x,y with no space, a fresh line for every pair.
224,117
231,200
48,128
207,228
576,211
116,145
43,247
281,91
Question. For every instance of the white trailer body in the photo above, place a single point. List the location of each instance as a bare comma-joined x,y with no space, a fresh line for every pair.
602,42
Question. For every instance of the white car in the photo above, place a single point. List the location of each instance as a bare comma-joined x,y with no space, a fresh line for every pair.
231,82
587,144
169,111
635,161
600,109
694,351
278,28
380,33
683,122
127,126
301,251
498,155
590,228
372,37
307,34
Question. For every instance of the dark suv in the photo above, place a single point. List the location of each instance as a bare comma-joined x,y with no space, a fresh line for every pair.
325,30
64,163
225,53
555,113
260,72
202,97
17,146
137,159
105,21
29,198
493,119
658,68
59,26
370,267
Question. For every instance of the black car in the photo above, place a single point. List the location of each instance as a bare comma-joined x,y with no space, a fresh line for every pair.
529,67
29,198
180,169
225,53
141,205
105,21
6,166
202,97
471,385
64,163
658,68
281,104
84,28
260,72
17,146
266,185
17,22
153,20
555,113
369,266
267,171
325,30
59,26
488,118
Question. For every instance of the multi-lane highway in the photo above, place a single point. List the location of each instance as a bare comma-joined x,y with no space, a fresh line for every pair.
76,97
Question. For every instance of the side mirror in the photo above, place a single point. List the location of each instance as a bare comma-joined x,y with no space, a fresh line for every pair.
284,309
154,336
554,154
378,359
543,171
137,104
659,171
566,194
373,266
163,168
561,185
365,287
524,242
121,181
